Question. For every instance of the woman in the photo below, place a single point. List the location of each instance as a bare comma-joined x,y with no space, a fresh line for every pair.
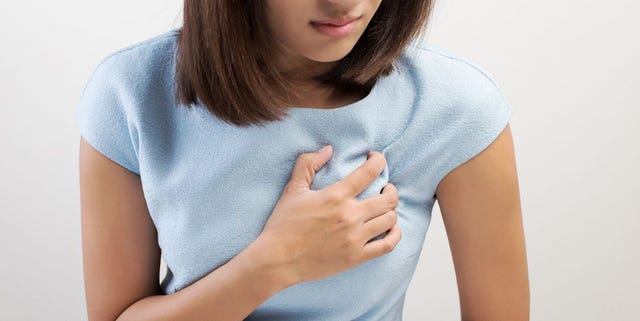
200,145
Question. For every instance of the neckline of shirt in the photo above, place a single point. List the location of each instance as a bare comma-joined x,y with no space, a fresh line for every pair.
346,108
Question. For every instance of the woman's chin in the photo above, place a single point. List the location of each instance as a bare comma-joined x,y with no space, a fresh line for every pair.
331,53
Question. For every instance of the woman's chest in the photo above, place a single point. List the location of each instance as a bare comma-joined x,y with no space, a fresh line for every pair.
215,190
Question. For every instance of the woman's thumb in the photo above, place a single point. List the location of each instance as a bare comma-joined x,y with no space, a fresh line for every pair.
306,166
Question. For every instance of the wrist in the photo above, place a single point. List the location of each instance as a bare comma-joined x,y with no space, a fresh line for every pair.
269,265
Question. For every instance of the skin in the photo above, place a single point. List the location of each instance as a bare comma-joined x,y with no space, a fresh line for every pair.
481,213
480,205
302,51
121,256
479,200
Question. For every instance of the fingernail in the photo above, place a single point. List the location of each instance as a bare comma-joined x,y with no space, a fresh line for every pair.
324,149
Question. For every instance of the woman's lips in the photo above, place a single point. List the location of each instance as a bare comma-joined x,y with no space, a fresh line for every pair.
337,27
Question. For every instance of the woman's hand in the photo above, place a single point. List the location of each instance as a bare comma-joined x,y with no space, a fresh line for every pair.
316,234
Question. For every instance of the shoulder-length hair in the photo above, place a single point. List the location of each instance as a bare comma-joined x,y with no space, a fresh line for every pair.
221,60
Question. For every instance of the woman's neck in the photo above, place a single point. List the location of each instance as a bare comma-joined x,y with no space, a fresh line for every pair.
312,94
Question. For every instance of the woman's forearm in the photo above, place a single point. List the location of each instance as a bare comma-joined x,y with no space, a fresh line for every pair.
230,292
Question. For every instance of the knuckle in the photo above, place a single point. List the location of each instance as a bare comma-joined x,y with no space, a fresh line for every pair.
393,196
393,218
345,219
349,241
305,158
387,246
333,196
370,170
391,200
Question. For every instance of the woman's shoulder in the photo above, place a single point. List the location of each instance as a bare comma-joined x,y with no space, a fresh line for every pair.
452,81
458,110
140,51
151,43
439,63
133,73
140,63
123,87
451,77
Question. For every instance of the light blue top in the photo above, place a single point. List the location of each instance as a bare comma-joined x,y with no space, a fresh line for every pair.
211,186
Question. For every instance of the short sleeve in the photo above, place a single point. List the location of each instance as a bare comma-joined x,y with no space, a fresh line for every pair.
102,116
478,116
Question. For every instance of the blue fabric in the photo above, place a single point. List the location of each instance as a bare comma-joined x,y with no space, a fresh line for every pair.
210,186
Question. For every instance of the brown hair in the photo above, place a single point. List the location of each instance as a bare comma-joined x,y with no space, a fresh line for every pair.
221,57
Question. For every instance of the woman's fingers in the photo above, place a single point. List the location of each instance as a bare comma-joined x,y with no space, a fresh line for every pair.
380,204
305,168
382,246
379,225
358,180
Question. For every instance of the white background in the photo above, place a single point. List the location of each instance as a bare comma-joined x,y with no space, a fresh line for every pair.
569,69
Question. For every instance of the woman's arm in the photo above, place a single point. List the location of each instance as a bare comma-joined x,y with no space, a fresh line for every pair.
121,258
480,205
